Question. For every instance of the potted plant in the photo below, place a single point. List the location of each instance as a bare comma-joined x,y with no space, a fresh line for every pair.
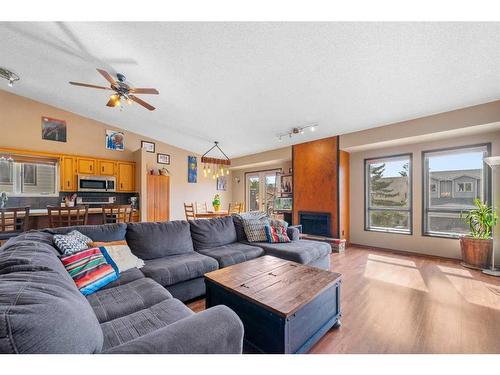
216,203
477,247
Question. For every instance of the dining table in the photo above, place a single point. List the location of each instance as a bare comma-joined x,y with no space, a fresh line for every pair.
211,214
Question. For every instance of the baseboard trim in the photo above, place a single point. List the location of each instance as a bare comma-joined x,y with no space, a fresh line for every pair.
402,252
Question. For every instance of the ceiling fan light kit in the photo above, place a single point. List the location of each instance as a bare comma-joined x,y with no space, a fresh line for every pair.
9,75
298,130
122,91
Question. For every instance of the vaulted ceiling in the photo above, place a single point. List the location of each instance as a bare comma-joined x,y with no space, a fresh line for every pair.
244,83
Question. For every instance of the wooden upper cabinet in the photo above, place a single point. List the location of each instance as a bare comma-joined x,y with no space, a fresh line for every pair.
86,166
126,176
106,167
68,173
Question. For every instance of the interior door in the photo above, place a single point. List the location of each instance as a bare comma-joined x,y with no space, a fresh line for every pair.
260,190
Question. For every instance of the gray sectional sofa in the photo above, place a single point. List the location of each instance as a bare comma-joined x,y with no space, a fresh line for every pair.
42,311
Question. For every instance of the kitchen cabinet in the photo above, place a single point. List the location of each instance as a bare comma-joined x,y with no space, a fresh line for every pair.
86,166
126,177
68,173
106,167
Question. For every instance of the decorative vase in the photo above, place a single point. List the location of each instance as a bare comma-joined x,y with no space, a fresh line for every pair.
216,207
476,252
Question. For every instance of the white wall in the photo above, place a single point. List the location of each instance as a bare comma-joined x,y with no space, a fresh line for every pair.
416,242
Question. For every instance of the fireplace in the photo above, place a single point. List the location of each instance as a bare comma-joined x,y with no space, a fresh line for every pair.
316,223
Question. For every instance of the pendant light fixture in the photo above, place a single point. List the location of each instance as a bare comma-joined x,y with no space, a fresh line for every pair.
215,166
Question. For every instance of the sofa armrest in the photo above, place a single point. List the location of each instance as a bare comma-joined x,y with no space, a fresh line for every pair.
217,330
293,233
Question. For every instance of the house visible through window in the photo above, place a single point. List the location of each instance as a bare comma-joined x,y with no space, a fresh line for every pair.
28,176
461,177
388,194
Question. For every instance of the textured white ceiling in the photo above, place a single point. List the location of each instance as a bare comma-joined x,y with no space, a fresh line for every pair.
243,83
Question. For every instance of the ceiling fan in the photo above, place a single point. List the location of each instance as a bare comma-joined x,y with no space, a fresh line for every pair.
121,90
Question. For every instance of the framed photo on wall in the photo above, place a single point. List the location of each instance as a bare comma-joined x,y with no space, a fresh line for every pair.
163,159
53,129
149,146
286,184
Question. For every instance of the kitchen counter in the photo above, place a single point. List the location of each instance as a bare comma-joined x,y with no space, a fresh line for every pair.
44,212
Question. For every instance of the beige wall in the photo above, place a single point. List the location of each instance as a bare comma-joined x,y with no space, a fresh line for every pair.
466,121
416,242
20,127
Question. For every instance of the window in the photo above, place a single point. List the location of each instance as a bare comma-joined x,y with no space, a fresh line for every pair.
5,173
462,177
388,194
28,176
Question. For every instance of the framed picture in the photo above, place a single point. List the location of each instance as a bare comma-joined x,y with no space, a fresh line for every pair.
286,184
222,183
192,169
115,140
163,159
283,203
53,129
149,146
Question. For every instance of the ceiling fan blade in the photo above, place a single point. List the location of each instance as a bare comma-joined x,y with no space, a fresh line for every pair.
144,91
91,86
142,102
107,76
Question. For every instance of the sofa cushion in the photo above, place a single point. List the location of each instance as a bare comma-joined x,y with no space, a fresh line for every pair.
105,232
302,251
43,312
33,235
211,233
126,277
176,268
234,253
29,255
112,303
158,240
140,323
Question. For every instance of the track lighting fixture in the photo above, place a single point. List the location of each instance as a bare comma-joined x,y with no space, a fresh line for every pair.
10,76
297,130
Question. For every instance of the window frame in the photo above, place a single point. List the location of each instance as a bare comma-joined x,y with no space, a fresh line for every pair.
486,187
410,193
11,171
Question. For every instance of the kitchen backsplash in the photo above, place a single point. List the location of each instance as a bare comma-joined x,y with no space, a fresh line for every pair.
43,202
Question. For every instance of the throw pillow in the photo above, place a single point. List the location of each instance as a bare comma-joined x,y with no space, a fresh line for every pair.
256,229
89,269
72,242
276,234
278,223
121,254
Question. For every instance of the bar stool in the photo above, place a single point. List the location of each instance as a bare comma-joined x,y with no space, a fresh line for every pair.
13,221
116,213
67,216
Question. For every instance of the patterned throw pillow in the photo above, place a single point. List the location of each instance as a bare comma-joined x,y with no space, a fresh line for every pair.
255,229
278,223
276,234
72,242
90,269
121,254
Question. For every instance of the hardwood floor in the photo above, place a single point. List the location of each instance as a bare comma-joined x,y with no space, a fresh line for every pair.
394,303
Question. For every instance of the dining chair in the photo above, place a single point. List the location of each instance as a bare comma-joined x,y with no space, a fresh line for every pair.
67,216
235,208
189,211
13,221
117,213
201,207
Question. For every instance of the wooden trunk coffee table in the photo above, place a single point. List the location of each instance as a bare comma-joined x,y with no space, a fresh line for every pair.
286,307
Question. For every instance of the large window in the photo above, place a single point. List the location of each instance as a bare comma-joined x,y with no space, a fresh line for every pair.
452,179
388,194
28,176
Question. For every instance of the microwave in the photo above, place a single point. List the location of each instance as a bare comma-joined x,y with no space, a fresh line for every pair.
96,183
